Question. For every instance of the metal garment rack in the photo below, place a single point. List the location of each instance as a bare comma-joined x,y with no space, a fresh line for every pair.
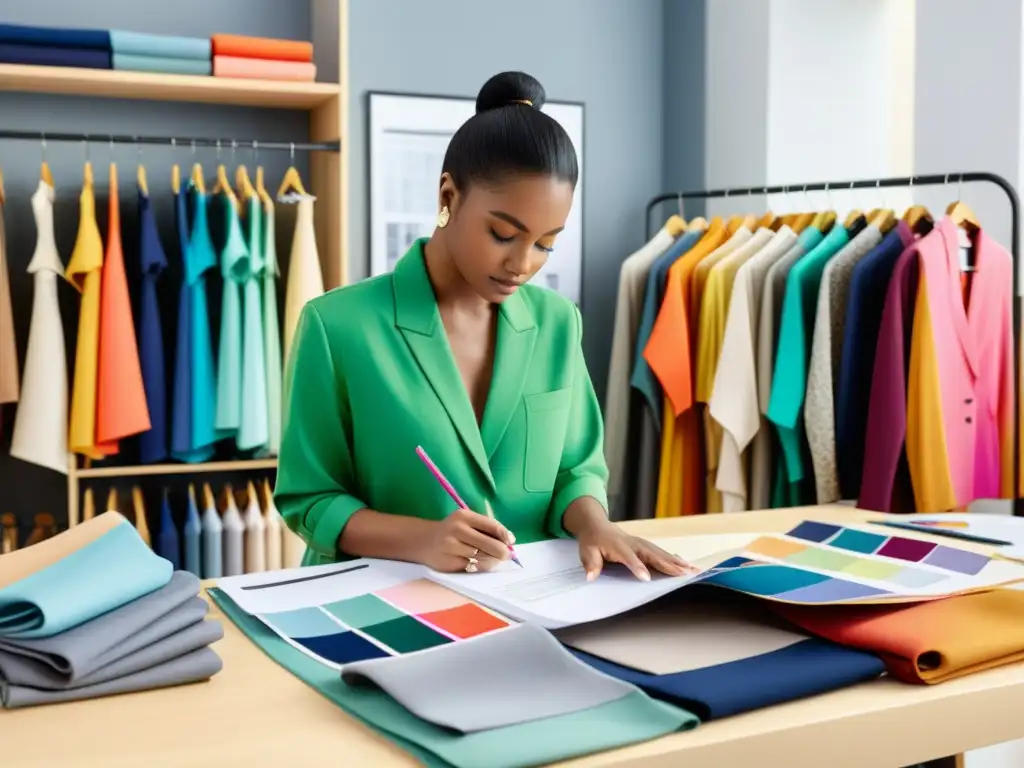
171,141
938,179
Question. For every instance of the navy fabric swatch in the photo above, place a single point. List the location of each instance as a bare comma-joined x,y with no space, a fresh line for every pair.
342,648
804,669
38,55
55,37
153,442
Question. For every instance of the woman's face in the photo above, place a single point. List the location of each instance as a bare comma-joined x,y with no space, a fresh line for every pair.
500,235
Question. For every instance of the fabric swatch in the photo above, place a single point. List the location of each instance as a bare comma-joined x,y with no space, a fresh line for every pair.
134,62
629,720
162,46
82,586
263,69
88,647
537,676
926,642
193,667
246,47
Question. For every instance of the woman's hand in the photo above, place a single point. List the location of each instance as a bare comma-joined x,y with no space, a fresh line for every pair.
604,542
466,538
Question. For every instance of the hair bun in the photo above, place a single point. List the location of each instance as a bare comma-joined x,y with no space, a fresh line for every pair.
510,88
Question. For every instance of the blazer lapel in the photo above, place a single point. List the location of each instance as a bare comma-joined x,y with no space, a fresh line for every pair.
418,320
954,292
517,333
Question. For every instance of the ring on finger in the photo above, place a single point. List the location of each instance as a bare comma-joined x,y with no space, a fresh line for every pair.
471,565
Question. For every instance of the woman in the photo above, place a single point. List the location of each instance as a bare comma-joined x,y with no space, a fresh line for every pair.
453,351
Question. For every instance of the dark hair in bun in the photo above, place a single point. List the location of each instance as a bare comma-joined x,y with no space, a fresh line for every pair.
510,136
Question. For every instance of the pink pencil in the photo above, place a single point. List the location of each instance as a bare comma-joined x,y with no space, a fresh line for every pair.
450,490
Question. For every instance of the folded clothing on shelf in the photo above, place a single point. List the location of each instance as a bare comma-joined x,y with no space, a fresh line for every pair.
55,37
263,69
159,46
262,48
52,56
163,64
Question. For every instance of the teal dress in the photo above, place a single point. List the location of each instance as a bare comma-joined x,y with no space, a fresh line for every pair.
253,430
271,333
234,267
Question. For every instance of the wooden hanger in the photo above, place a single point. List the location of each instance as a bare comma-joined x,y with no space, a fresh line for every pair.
88,505
3,195
963,215
175,178
223,185
919,219
45,174
141,523
208,500
192,495
244,185
699,224
140,178
292,181
113,502
769,221
675,225
261,189
197,178
251,495
8,533
882,218
268,494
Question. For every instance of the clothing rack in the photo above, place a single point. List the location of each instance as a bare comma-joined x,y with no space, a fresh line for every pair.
936,179
172,141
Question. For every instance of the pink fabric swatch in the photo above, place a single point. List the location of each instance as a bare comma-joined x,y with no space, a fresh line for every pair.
263,69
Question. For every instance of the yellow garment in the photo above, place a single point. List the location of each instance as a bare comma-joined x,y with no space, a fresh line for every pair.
84,272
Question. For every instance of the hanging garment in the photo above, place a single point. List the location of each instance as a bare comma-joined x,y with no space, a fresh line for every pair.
255,535
273,530
213,541
714,311
84,271
632,274
789,382
234,538
234,270
121,409
669,353
734,397
153,443
168,542
40,433
192,533
8,347
868,284
305,277
271,331
823,369
253,432
960,384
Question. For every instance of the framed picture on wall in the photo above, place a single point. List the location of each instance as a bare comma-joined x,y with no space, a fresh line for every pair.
407,138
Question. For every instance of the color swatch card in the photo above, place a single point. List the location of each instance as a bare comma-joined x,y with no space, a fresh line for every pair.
823,563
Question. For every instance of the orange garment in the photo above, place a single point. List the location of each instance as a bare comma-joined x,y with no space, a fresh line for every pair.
669,353
925,642
262,48
263,69
121,409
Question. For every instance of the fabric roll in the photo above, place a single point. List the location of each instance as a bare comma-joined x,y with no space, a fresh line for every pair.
135,62
160,46
44,56
263,69
55,37
262,48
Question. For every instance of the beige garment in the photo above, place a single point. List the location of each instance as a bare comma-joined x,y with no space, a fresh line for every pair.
767,332
40,434
305,276
826,347
628,306
8,348
734,400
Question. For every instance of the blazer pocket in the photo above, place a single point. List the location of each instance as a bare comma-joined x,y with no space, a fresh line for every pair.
547,416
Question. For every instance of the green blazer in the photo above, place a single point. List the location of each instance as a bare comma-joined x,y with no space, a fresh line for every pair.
371,376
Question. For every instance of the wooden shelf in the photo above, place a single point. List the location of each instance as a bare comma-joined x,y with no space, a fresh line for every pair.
120,84
246,465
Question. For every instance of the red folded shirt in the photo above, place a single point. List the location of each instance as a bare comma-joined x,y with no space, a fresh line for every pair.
262,48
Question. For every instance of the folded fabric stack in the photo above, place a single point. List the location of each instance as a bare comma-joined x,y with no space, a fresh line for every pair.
94,612
262,58
54,46
167,54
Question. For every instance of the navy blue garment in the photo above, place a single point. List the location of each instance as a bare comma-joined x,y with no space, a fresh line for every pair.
807,668
168,544
55,37
153,442
38,55
193,532
643,378
865,301
181,406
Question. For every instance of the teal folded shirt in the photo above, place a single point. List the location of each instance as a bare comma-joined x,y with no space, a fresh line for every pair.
131,62
166,46
107,573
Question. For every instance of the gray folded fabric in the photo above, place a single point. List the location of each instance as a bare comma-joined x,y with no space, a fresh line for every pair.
502,678
193,667
82,650
21,670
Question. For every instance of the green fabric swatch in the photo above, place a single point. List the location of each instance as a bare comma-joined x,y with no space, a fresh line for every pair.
629,720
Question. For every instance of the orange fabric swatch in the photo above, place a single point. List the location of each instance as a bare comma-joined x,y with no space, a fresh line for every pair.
262,48
263,69
925,642
121,409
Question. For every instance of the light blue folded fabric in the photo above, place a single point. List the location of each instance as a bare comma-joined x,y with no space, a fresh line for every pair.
137,63
105,574
168,46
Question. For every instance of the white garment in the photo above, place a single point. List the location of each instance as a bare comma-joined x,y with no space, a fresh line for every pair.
734,402
233,539
272,529
255,536
305,277
40,433
628,308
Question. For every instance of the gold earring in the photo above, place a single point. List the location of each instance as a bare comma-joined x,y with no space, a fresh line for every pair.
443,217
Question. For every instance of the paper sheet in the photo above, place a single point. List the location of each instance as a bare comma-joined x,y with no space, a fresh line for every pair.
1001,527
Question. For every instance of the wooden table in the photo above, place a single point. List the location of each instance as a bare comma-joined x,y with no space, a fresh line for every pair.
255,714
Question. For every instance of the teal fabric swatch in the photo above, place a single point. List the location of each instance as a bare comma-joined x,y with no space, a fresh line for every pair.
166,46
134,62
632,719
107,573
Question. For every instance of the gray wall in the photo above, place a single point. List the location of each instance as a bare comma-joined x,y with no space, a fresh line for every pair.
24,488
606,54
